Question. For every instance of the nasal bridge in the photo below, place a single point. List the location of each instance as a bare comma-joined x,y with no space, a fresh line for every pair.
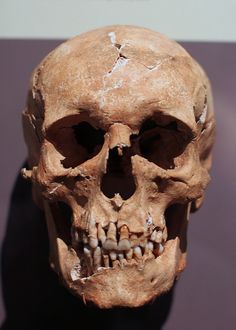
119,136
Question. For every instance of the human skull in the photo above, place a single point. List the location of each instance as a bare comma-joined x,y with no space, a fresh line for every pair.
119,125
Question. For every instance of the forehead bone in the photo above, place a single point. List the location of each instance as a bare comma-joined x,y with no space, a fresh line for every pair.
118,74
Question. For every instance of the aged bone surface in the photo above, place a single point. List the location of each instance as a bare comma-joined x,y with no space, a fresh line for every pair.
119,125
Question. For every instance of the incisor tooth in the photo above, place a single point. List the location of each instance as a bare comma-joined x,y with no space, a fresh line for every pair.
113,255
124,245
129,254
101,234
138,252
120,256
109,245
124,232
111,233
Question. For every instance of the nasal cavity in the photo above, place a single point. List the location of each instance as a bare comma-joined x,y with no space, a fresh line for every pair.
118,178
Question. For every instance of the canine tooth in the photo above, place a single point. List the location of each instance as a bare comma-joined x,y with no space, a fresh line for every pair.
134,240
129,254
87,252
97,257
143,242
106,260
138,252
93,242
101,234
124,245
113,255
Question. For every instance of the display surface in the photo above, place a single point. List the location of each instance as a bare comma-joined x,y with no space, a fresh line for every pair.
119,126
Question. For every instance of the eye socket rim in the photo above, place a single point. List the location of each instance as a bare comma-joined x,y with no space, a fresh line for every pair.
61,133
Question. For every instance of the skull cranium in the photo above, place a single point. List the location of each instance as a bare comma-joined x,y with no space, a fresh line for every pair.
119,126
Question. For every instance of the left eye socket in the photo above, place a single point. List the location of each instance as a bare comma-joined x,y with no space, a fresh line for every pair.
161,144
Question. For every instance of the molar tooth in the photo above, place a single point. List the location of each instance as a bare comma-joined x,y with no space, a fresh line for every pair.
160,249
101,234
158,236
137,252
97,257
129,254
165,234
153,236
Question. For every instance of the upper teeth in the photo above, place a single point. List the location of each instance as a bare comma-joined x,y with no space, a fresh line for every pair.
104,247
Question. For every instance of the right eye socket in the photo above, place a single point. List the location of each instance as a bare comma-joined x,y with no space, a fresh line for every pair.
77,143
88,137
